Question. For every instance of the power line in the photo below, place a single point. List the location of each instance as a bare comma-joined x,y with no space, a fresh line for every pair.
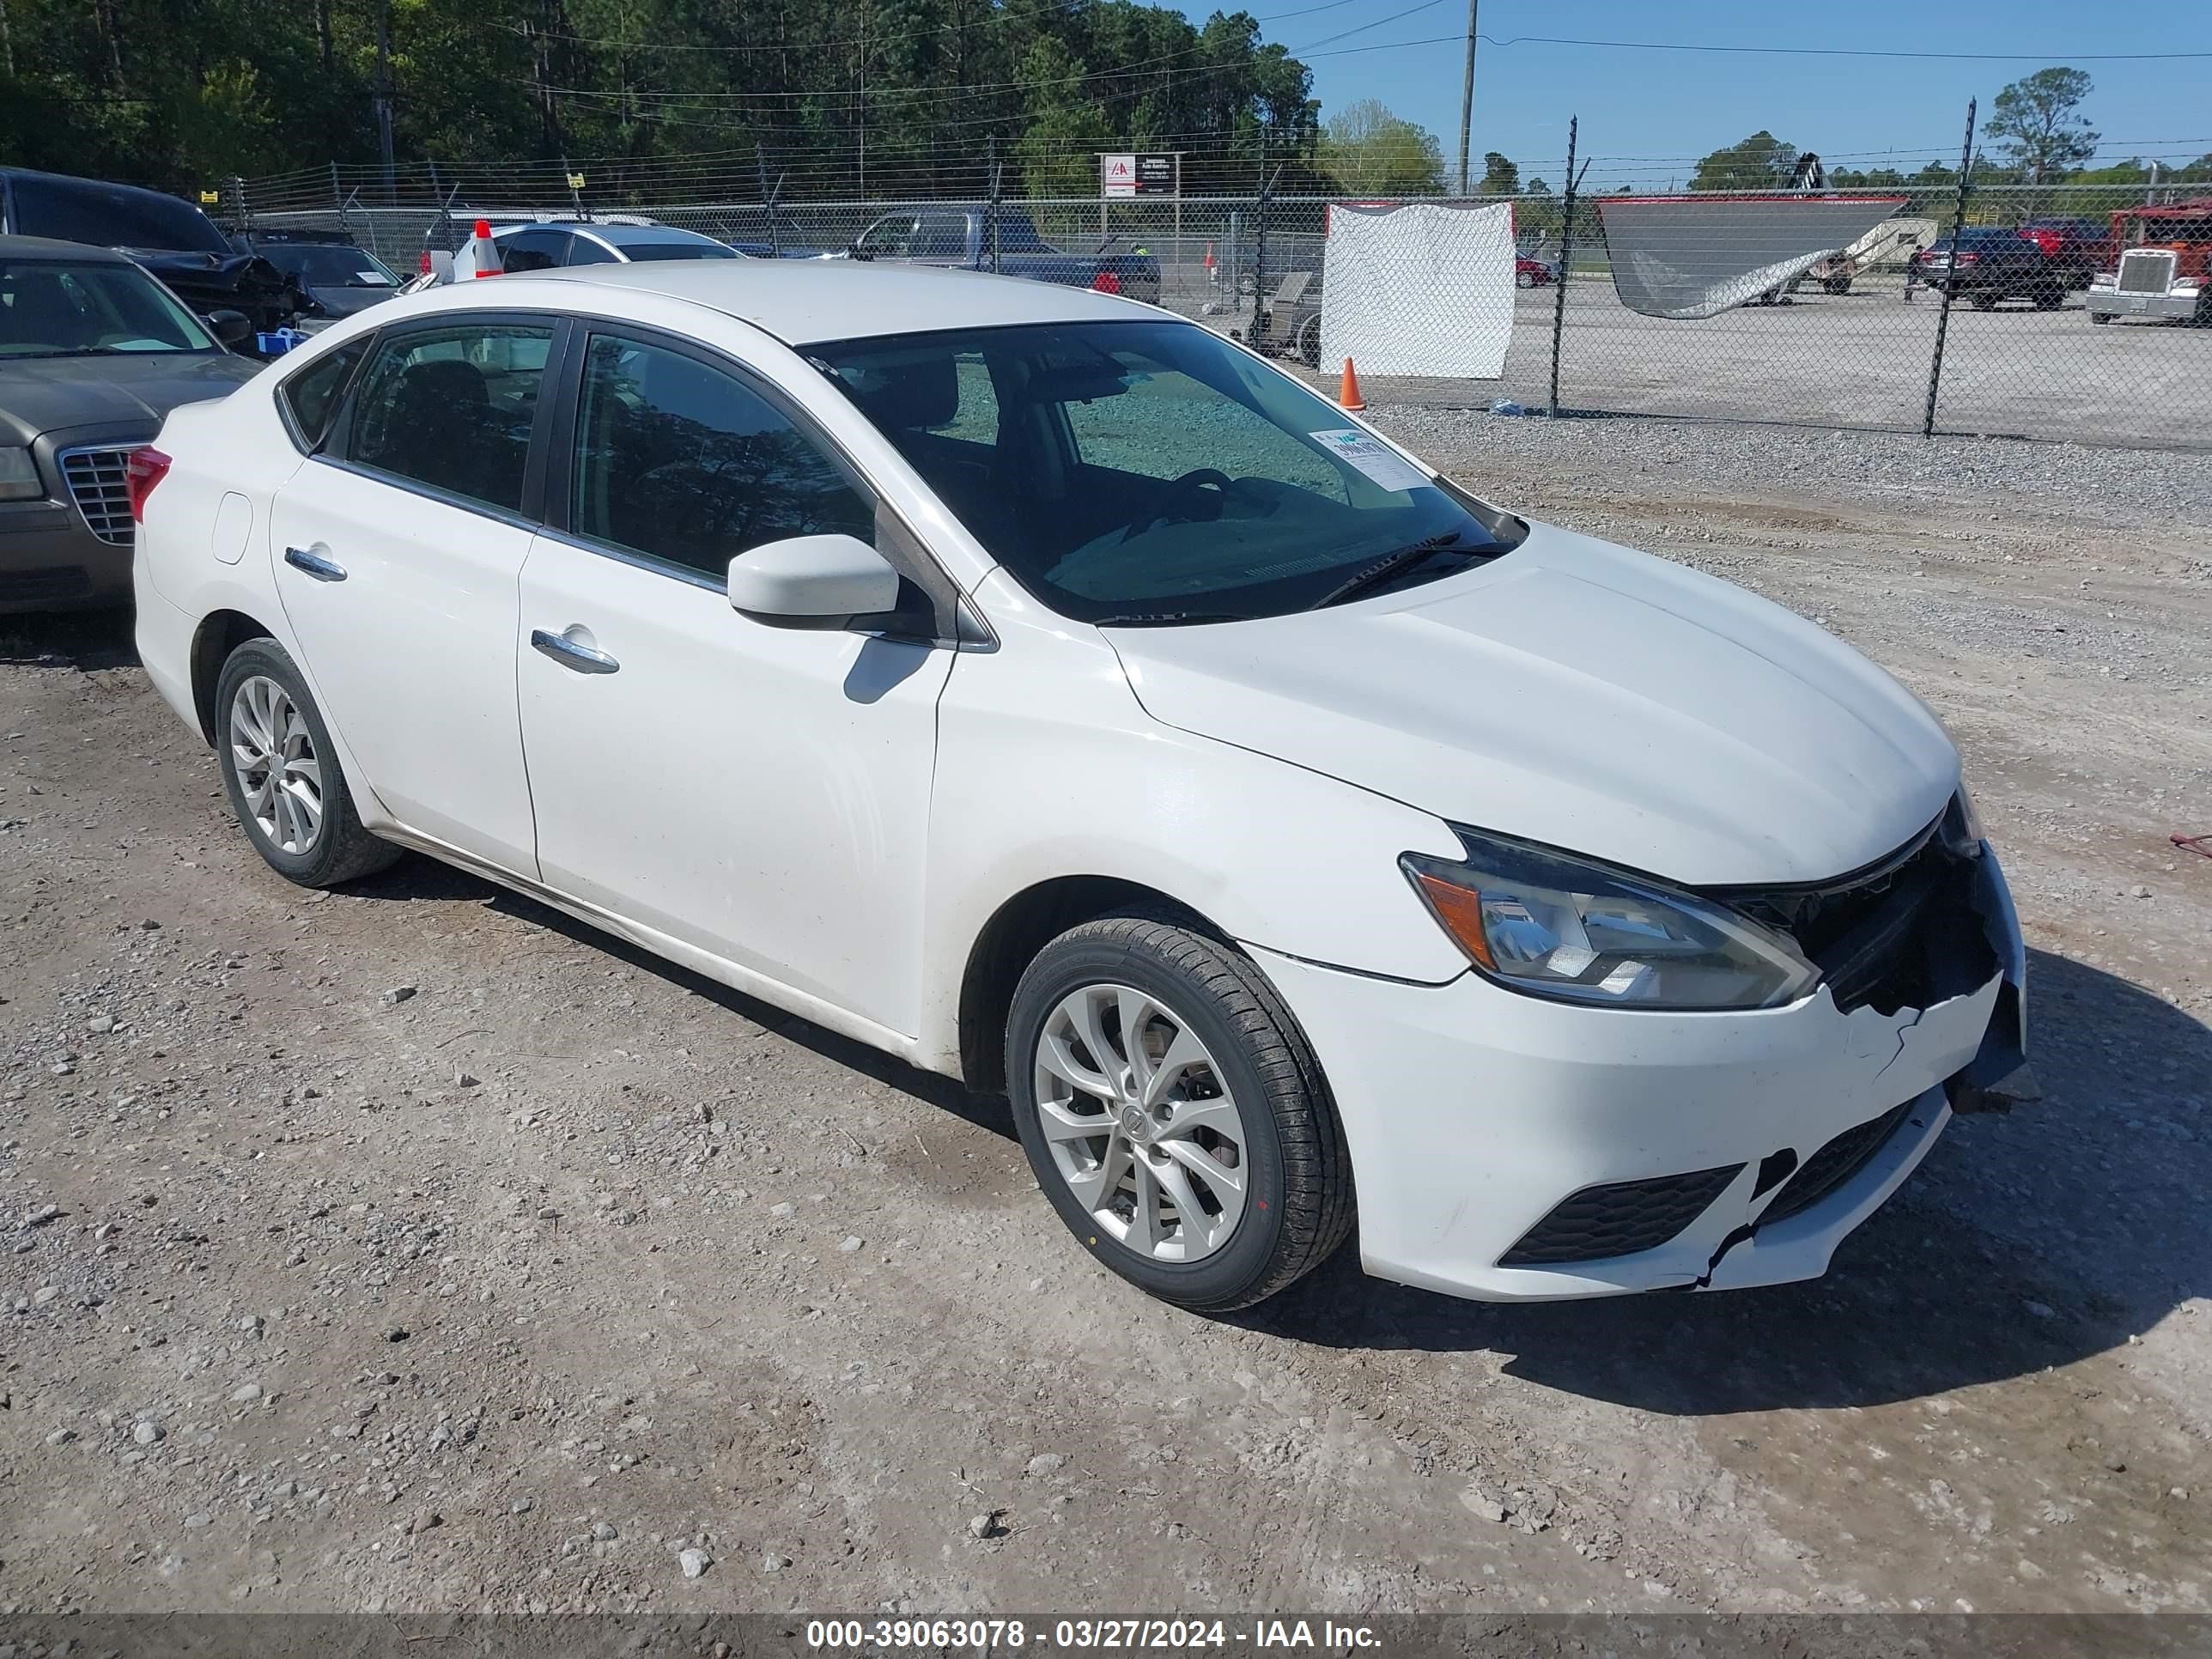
1851,51
988,20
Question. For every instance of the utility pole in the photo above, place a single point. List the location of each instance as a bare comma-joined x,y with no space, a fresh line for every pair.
1467,100
384,94
860,101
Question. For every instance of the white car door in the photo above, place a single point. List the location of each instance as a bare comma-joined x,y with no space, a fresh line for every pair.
397,554
757,792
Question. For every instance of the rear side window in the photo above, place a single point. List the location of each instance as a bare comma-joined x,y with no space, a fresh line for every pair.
692,466
311,398
534,250
451,407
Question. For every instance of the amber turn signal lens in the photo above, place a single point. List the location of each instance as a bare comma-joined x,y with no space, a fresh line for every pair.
1460,909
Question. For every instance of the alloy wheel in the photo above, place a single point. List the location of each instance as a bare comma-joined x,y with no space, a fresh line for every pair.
1140,1123
279,775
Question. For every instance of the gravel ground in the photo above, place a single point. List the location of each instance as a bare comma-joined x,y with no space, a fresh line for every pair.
414,1248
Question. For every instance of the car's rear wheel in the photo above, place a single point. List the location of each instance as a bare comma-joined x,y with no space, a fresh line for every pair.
1174,1114
1523,279
283,775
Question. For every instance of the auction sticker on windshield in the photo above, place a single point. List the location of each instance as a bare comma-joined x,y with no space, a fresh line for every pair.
1384,464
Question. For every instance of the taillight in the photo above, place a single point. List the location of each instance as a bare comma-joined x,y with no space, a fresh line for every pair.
425,267
144,468
1106,283
1965,258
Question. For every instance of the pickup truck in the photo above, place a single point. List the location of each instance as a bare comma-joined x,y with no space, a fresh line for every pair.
961,237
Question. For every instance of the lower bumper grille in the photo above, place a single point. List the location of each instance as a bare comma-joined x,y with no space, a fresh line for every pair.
1622,1218
1834,1165
97,483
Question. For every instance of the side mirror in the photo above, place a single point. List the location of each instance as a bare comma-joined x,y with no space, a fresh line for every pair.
812,581
233,328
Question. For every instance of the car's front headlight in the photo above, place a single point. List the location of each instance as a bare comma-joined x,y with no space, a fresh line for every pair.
1554,925
19,476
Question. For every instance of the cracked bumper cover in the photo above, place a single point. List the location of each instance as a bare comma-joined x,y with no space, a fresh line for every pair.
1471,1111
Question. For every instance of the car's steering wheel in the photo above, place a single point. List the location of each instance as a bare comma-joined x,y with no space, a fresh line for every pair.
1190,484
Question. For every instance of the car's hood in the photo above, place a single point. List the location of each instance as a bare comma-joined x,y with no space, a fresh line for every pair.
45,394
1584,695
345,301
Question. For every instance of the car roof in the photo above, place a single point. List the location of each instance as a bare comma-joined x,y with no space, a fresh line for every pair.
45,247
804,301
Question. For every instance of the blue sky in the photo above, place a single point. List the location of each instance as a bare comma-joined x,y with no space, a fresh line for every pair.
1658,107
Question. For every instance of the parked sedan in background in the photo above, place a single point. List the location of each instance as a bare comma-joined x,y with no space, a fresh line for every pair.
1044,689
94,352
1987,265
338,274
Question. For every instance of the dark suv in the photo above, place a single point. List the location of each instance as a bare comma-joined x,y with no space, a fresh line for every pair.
168,236
1989,264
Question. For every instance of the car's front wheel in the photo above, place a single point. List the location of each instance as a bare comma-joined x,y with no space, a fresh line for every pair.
1174,1114
282,775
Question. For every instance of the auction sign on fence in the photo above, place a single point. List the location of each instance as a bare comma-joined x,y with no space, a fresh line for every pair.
1157,173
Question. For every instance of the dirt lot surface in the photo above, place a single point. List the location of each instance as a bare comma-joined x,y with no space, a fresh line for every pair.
415,1248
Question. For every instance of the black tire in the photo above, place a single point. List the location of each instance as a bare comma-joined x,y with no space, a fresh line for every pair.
2100,317
2049,299
1985,302
1523,279
1310,344
1298,1201
340,850
1837,284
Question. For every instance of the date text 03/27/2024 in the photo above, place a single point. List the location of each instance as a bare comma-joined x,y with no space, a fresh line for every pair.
1125,1635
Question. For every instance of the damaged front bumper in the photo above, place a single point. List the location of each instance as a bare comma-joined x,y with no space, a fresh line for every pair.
1509,1148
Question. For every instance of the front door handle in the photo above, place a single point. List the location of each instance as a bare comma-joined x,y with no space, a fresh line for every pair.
322,569
569,655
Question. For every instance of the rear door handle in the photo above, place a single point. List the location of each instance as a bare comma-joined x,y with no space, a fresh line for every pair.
569,655
322,569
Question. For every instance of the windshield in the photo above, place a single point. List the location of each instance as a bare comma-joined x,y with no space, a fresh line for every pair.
642,251
329,264
57,309
1149,472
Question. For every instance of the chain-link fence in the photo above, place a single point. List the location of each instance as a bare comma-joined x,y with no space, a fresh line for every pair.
1916,306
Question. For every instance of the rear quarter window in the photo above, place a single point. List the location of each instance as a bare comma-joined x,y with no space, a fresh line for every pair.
310,398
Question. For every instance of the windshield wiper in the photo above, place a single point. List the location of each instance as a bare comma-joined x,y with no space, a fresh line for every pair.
1389,565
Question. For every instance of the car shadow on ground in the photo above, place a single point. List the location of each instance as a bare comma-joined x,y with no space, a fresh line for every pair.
2027,1241
419,878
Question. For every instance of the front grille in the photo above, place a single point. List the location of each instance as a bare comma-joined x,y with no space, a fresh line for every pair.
1834,1165
1599,1222
2147,270
97,484
1901,932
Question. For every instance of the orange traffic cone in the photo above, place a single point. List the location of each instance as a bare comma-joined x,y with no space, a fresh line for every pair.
1347,394
483,253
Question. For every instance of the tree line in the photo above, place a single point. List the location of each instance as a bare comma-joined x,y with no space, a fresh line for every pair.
179,93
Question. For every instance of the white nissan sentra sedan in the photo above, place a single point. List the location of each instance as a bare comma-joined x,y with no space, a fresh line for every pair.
1044,689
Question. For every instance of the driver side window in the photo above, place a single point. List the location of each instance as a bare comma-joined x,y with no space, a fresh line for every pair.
890,239
691,466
